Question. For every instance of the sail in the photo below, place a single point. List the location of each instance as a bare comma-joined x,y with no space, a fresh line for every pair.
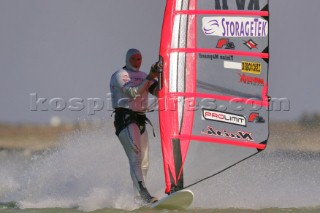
213,103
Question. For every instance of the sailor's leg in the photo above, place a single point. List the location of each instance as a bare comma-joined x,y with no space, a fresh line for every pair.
130,138
144,154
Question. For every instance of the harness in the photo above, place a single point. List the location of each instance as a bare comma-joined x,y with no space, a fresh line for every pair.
124,117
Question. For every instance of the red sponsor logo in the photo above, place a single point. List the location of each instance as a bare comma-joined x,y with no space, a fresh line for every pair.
251,80
255,117
224,42
251,44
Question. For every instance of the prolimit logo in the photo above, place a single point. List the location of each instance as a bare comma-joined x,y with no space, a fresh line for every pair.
224,117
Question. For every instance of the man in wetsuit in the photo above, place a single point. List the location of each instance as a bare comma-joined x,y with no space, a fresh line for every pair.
130,87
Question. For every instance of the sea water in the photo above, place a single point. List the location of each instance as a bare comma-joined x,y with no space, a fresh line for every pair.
89,172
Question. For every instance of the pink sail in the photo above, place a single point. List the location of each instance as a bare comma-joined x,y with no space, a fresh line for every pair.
215,76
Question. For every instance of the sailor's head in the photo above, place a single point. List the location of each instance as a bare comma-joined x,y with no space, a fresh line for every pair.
133,59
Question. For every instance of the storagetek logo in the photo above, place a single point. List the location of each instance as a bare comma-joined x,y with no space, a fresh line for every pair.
235,26
224,117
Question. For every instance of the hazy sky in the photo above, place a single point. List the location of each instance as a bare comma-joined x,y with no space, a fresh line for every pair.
58,49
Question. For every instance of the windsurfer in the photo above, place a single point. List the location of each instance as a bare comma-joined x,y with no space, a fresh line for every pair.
130,87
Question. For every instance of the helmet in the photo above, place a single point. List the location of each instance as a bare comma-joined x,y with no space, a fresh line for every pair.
130,53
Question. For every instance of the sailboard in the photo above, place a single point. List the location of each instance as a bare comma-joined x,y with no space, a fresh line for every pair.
179,200
213,98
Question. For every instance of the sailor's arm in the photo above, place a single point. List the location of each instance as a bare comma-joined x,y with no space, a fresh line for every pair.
135,91
156,69
154,88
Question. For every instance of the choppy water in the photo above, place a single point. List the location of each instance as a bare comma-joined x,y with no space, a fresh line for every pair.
90,173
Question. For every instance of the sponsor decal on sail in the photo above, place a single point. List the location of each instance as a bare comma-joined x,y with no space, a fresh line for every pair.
216,57
238,135
224,43
251,67
251,44
235,26
256,118
224,117
251,80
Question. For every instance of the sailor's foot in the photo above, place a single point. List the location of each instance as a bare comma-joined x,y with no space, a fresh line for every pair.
154,199
140,201
146,197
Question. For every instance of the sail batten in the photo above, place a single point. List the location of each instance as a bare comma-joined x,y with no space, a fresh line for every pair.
217,140
222,12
